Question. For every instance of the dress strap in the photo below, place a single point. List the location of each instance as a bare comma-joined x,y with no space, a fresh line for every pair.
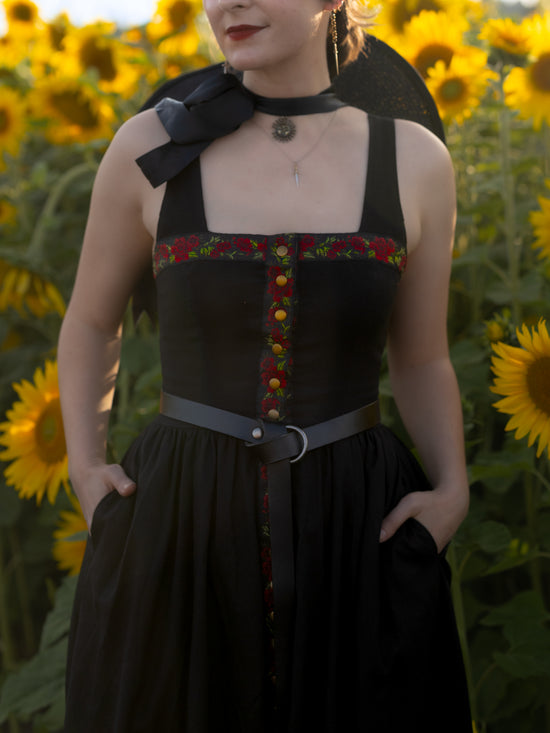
183,205
382,211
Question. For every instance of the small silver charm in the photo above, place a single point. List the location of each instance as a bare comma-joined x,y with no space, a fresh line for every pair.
283,130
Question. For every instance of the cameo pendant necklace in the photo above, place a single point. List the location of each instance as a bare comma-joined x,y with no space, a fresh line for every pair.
283,130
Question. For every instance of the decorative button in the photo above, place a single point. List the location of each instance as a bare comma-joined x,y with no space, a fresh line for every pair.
281,281
280,315
257,433
273,414
277,349
274,383
282,251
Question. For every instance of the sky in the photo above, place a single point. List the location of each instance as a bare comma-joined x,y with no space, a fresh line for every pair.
124,12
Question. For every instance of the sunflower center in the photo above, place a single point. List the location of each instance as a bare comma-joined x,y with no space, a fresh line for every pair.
22,12
430,55
180,13
94,56
49,434
452,90
4,121
74,108
540,73
538,383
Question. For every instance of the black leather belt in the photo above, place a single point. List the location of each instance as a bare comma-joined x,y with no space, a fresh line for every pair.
277,446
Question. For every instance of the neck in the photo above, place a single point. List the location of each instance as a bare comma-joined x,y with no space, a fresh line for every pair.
292,83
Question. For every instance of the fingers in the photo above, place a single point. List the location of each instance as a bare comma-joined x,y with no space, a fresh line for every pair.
119,481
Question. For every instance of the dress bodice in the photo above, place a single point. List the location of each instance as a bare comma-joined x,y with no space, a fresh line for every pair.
288,327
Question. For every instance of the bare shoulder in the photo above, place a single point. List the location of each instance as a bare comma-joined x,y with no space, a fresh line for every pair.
422,152
426,183
141,133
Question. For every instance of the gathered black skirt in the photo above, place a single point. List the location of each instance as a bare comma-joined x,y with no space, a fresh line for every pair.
171,623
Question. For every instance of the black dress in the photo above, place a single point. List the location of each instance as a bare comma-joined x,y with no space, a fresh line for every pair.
172,625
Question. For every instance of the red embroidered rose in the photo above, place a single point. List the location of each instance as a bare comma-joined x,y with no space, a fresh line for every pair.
193,241
306,242
383,248
268,364
244,244
223,246
358,244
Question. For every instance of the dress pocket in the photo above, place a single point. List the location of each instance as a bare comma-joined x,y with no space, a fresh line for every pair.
421,536
98,514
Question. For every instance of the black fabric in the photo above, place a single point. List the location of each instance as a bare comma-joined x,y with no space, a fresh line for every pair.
172,625
214,109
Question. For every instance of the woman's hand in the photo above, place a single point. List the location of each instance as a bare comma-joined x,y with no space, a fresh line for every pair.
441,511
99,481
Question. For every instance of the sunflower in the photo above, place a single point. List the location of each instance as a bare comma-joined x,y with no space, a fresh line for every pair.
94,48
70,539
22,17
528,89
458,88
522,377
180,46
394,15
12,122
502,34
34,439
173,16
76,112
26,291
540,221
431,37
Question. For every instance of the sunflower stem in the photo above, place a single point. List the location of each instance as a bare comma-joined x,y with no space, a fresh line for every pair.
35,249
531,510
22,587
7,645
508,188
458,604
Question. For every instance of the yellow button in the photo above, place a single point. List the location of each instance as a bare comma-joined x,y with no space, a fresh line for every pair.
280,315
281,281
282,251
273,414
277,349
274,383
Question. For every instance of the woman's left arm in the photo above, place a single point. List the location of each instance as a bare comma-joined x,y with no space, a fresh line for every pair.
422,376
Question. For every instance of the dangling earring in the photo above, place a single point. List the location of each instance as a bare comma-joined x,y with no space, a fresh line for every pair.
226,67
334,35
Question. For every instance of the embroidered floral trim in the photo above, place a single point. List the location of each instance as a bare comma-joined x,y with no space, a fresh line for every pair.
267,576
276,359
214,246
310,247
353,246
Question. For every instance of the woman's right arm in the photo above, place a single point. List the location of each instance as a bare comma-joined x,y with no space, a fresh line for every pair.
115,252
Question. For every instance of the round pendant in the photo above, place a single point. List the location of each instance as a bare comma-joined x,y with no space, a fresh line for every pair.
283,129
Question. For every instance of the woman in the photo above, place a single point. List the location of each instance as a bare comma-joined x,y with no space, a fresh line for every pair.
268,556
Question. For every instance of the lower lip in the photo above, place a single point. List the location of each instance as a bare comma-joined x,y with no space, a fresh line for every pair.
241,35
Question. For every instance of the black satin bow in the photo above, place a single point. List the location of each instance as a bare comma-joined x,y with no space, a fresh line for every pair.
215,108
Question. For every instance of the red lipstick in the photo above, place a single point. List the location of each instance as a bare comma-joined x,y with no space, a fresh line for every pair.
241,32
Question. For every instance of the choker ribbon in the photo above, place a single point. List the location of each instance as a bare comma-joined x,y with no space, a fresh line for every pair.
216,108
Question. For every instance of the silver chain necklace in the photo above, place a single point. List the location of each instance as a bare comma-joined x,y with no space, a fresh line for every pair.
286,131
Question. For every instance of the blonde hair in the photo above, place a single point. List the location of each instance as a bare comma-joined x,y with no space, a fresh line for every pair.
352,21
